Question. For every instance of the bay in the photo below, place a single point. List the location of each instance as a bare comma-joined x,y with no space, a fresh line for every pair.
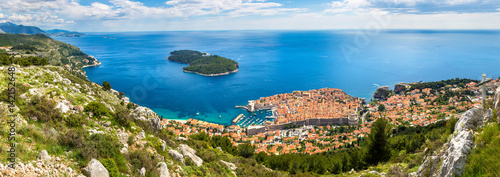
273,62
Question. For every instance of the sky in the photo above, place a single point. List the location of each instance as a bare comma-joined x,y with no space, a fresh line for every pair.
181,15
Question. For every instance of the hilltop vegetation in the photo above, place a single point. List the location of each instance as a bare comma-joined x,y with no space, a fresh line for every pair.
39,45
202,64
437,85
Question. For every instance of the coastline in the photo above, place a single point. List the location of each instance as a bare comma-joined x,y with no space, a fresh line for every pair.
99,63
220,74
177,120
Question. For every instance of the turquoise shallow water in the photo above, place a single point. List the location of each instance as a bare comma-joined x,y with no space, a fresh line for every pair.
273,62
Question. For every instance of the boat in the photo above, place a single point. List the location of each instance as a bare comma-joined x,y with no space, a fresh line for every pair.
220,116
254,114
197,113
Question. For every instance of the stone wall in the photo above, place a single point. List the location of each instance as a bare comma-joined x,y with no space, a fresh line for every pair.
318,122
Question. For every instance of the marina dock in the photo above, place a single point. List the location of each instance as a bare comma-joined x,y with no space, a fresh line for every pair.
237,119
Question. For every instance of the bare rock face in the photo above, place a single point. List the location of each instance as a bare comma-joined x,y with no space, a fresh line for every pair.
190,153
473,119
140,136
142,172
497,103
163,145
95,169
231,166
64,106
176,155
454,154
162,169
462,142
156,123
185,149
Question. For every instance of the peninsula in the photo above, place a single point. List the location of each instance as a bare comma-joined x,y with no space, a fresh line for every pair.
204,63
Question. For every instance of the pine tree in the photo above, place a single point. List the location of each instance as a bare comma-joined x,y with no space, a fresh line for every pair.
106,86
378,142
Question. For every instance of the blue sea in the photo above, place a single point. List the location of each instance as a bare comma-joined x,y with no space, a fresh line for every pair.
273,62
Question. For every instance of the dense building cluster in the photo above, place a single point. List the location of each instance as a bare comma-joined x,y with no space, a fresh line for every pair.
415,107
325,103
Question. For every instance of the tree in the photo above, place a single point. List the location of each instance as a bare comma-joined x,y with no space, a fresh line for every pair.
381,107
377,142
106,86
130,105
246,150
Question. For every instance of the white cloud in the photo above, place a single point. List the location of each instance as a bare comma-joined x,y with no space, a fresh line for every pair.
221,14
229,7
71,10
349,6
353,7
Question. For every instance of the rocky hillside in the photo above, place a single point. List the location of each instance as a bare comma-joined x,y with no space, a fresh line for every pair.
56,52
67,126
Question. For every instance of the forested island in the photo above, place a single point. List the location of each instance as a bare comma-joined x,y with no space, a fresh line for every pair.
203,63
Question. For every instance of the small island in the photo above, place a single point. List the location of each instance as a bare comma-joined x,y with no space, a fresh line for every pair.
204,63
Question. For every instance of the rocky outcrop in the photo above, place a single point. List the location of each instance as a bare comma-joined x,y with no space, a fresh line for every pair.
496,101
64,106
189,152
454,154
95,169
142,172
399,88
43,155
156,122
162,169
140,136
231,166
382,93
39,168
473,119
176,155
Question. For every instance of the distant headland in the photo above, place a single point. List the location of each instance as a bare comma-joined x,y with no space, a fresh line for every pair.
204,63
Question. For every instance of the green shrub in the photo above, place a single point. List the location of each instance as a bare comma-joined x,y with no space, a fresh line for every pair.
98,109
74,120
225,144
111,167
130,105
483,161
200,136
19,90
140,158
123,118
130,141
43,109
246,150
106,86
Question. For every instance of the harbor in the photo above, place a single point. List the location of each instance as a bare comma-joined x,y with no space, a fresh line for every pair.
254,118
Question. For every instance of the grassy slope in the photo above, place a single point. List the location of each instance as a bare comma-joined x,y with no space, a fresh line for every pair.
34,136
